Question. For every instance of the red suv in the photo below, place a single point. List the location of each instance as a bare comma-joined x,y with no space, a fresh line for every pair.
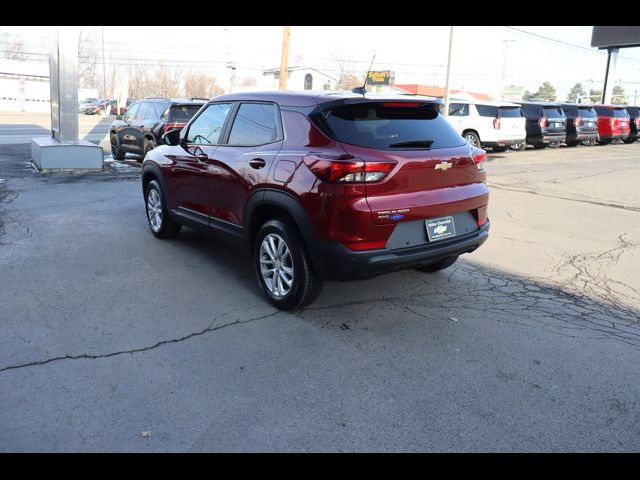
322,186
613,123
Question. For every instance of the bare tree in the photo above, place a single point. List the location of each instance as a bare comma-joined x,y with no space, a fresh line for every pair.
201,85
348,75
87,60
167,81
140,85
12,48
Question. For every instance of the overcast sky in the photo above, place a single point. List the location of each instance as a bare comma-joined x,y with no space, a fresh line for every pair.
416,54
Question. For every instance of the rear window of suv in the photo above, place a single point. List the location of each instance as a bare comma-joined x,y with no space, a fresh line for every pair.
587,112
182,113
487,111
389,126
553,112
510,112
620,112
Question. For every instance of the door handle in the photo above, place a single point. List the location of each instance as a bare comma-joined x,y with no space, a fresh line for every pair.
257,163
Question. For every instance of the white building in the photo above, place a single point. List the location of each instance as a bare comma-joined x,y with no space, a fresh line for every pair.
24,86
299,78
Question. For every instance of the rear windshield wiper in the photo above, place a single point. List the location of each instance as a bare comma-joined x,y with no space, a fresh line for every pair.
413,144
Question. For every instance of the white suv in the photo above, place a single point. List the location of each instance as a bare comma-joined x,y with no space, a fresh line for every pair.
498,125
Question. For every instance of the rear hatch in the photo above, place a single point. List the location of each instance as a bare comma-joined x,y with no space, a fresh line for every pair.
511,120
555,120
178,115
620,120
434,173
587,120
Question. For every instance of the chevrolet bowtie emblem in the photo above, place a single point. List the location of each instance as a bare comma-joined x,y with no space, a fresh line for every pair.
443,166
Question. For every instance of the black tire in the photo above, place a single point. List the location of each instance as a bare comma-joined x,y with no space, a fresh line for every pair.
472,138
603,142
166,228
539,146
149,145
629,140
500,149
520,147
588,143
306,285
116,149
572,144
439,265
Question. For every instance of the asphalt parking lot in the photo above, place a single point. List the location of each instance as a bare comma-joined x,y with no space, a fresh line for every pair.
112,340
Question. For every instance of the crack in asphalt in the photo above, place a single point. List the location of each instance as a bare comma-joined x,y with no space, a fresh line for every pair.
86,356
592,202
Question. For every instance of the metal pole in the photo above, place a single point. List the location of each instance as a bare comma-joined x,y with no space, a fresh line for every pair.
284,61
612,53
446,88
504,66
104,68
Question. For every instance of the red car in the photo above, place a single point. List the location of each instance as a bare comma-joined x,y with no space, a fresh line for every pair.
322,186
613,123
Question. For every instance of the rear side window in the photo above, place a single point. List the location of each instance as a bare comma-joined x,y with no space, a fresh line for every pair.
553,112
182,113
255,124
487,111
510,112
620,112
459,109
587,112
390,126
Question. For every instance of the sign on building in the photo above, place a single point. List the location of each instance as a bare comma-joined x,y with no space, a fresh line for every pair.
381,77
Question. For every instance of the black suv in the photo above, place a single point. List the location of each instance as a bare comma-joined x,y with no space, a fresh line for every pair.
546,124
141,128
582,124
634,124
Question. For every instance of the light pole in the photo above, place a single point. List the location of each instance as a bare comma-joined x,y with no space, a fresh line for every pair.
504,67
448,81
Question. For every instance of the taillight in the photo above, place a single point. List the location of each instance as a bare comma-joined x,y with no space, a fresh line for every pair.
347,169
173,126
480,159
612,122
496,123
578,121
638,121
542,122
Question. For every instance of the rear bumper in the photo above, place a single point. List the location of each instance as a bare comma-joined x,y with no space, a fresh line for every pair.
504,143
548,138
613,136
333,261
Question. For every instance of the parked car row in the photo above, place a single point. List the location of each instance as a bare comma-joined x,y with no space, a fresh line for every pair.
500,125
141,128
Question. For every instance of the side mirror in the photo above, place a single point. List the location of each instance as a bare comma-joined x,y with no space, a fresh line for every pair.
172,137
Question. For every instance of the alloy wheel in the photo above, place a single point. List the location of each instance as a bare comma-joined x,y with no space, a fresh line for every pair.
154,210
276,265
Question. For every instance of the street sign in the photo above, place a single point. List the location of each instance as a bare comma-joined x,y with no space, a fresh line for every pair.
615,36
381,77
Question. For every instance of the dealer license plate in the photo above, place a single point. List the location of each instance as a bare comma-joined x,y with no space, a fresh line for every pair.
440,228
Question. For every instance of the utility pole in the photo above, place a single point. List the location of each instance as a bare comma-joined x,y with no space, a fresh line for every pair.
504,66
448,81
284,61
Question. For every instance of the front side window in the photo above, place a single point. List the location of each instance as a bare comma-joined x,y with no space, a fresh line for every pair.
255,124
142,111
207,128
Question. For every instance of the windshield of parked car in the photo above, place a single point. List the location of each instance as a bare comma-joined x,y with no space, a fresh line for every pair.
390,125
510,112
182,113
